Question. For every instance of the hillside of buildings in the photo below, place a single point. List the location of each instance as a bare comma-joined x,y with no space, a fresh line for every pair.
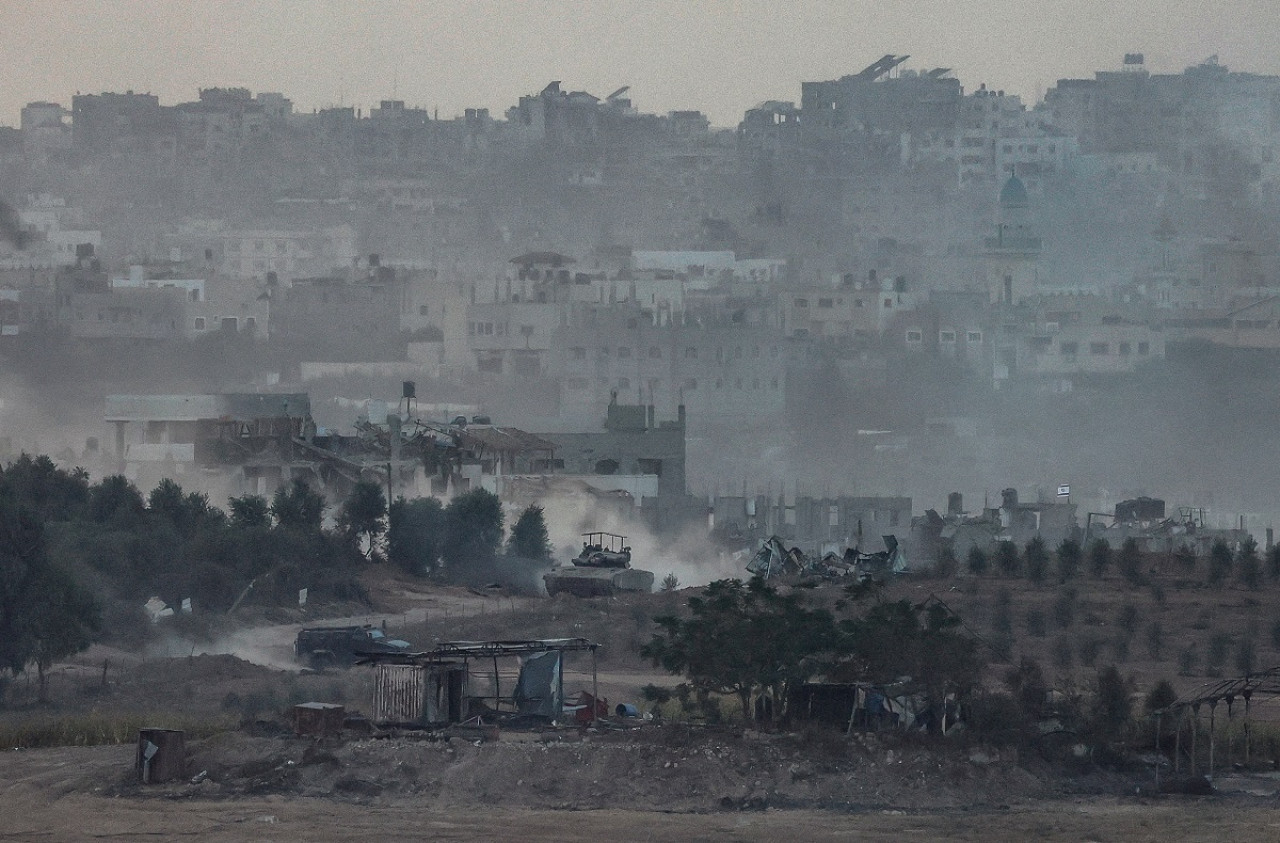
946,414
871,287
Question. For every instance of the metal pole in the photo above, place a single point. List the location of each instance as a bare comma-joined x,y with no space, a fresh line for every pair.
595,689
1195,729
1159,719
1247,695
1177,743
497,686
1213,736
1230,720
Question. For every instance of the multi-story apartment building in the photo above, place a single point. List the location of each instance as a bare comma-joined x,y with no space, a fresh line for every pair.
1066,339
881,100
848,309
994,137
717,367
286,254
1186,121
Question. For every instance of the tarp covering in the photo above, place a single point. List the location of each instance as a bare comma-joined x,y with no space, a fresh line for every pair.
538,688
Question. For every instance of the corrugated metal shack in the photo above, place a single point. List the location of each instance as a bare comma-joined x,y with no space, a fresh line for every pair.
436,687
419,694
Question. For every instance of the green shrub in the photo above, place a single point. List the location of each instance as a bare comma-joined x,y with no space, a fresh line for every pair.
1063,653
977,561
1188,659
1161,696
1037,625
1037,558
1246,657
1155,640
1127,618
1068,554
1064,608
1089,649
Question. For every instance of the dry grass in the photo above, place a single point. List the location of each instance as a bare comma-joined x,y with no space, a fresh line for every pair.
41,731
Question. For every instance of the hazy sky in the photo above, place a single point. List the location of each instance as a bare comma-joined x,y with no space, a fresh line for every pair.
720,57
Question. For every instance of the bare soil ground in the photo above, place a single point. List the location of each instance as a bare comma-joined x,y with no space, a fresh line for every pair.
663,783
400,790
1188,616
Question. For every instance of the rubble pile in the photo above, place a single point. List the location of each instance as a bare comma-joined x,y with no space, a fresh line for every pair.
661,768
773,559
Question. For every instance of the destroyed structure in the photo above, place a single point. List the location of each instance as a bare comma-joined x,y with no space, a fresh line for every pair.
453,683
1144,520
633,469
256,443
636,454
1012,521
775,560
254,435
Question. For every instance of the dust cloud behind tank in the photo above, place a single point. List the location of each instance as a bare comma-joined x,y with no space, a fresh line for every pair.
601,569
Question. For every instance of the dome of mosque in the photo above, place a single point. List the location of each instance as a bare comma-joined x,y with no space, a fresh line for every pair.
1013,194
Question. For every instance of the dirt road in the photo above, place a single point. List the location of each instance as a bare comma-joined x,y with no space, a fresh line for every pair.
40,817
272,645
88,794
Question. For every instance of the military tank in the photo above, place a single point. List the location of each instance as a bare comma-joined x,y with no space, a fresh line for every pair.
603,568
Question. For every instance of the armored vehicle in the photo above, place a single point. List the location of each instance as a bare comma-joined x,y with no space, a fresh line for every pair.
339,646
602,568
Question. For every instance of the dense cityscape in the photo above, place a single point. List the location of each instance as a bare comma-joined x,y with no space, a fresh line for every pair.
914,439
926,273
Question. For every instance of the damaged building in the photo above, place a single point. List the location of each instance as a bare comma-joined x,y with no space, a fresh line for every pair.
636,453
462,680
1014,521
1156,532
158,436
256,443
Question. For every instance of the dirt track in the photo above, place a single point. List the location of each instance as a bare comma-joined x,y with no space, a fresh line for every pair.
88,794
263,788
40,816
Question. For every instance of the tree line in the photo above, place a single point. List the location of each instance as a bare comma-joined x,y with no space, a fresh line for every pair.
747,639
78,558
1244,566
750,640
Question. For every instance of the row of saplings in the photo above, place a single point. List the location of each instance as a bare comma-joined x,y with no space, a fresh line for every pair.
1244,566
750,640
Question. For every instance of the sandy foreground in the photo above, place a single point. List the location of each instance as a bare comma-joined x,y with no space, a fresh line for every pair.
40,817
48,795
